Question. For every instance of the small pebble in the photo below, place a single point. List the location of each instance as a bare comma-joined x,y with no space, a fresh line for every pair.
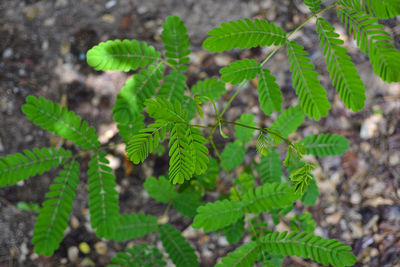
74,222
101,248
84,247
222,241
73,253
108,18
111,4
8,53
334,218
355,198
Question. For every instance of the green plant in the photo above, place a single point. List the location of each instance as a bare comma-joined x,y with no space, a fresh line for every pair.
169,101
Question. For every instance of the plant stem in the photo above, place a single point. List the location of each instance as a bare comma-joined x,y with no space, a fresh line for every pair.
270,56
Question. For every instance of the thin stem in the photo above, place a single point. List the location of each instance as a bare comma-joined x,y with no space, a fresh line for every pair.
201,126
264,130
167,209
168,64
257,238
293,32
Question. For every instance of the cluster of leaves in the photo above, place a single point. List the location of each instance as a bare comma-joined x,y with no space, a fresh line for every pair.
159,88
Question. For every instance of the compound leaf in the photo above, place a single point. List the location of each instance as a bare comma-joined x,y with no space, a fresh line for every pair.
178,249
217,215
121,55
270,168
311,194
306,245
56,119
212,88
244,134
382,9
244,256
161,109
103,197
127,110
181,164
311,94
144,143
240,70
234,232
199,151
233,155
244,34
176,42
187,203
341,69
268,197
17,167
160,189
288,121
53,216
313,5
147,82
325,144
132,225
173,87
372,39
138,256
270,97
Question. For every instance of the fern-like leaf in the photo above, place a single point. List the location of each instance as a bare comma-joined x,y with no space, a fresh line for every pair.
269,197
288,121
127,111
372,39
199,151
325,144
270,97
311,194
53,216
160,189
176,42
244,256
233,155
244,134
138,256
212,88
382,9
306,245
121,55
313,5
17,167
178,249
189,106
173,87
144,143
311,94
147,82
263,144
181,164
341,69
56,119
217,215
103,198
240,70
270,168
234,232
244,34
161,109
187,203
132,225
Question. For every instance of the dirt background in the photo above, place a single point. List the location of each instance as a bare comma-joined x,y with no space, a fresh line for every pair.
42,52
